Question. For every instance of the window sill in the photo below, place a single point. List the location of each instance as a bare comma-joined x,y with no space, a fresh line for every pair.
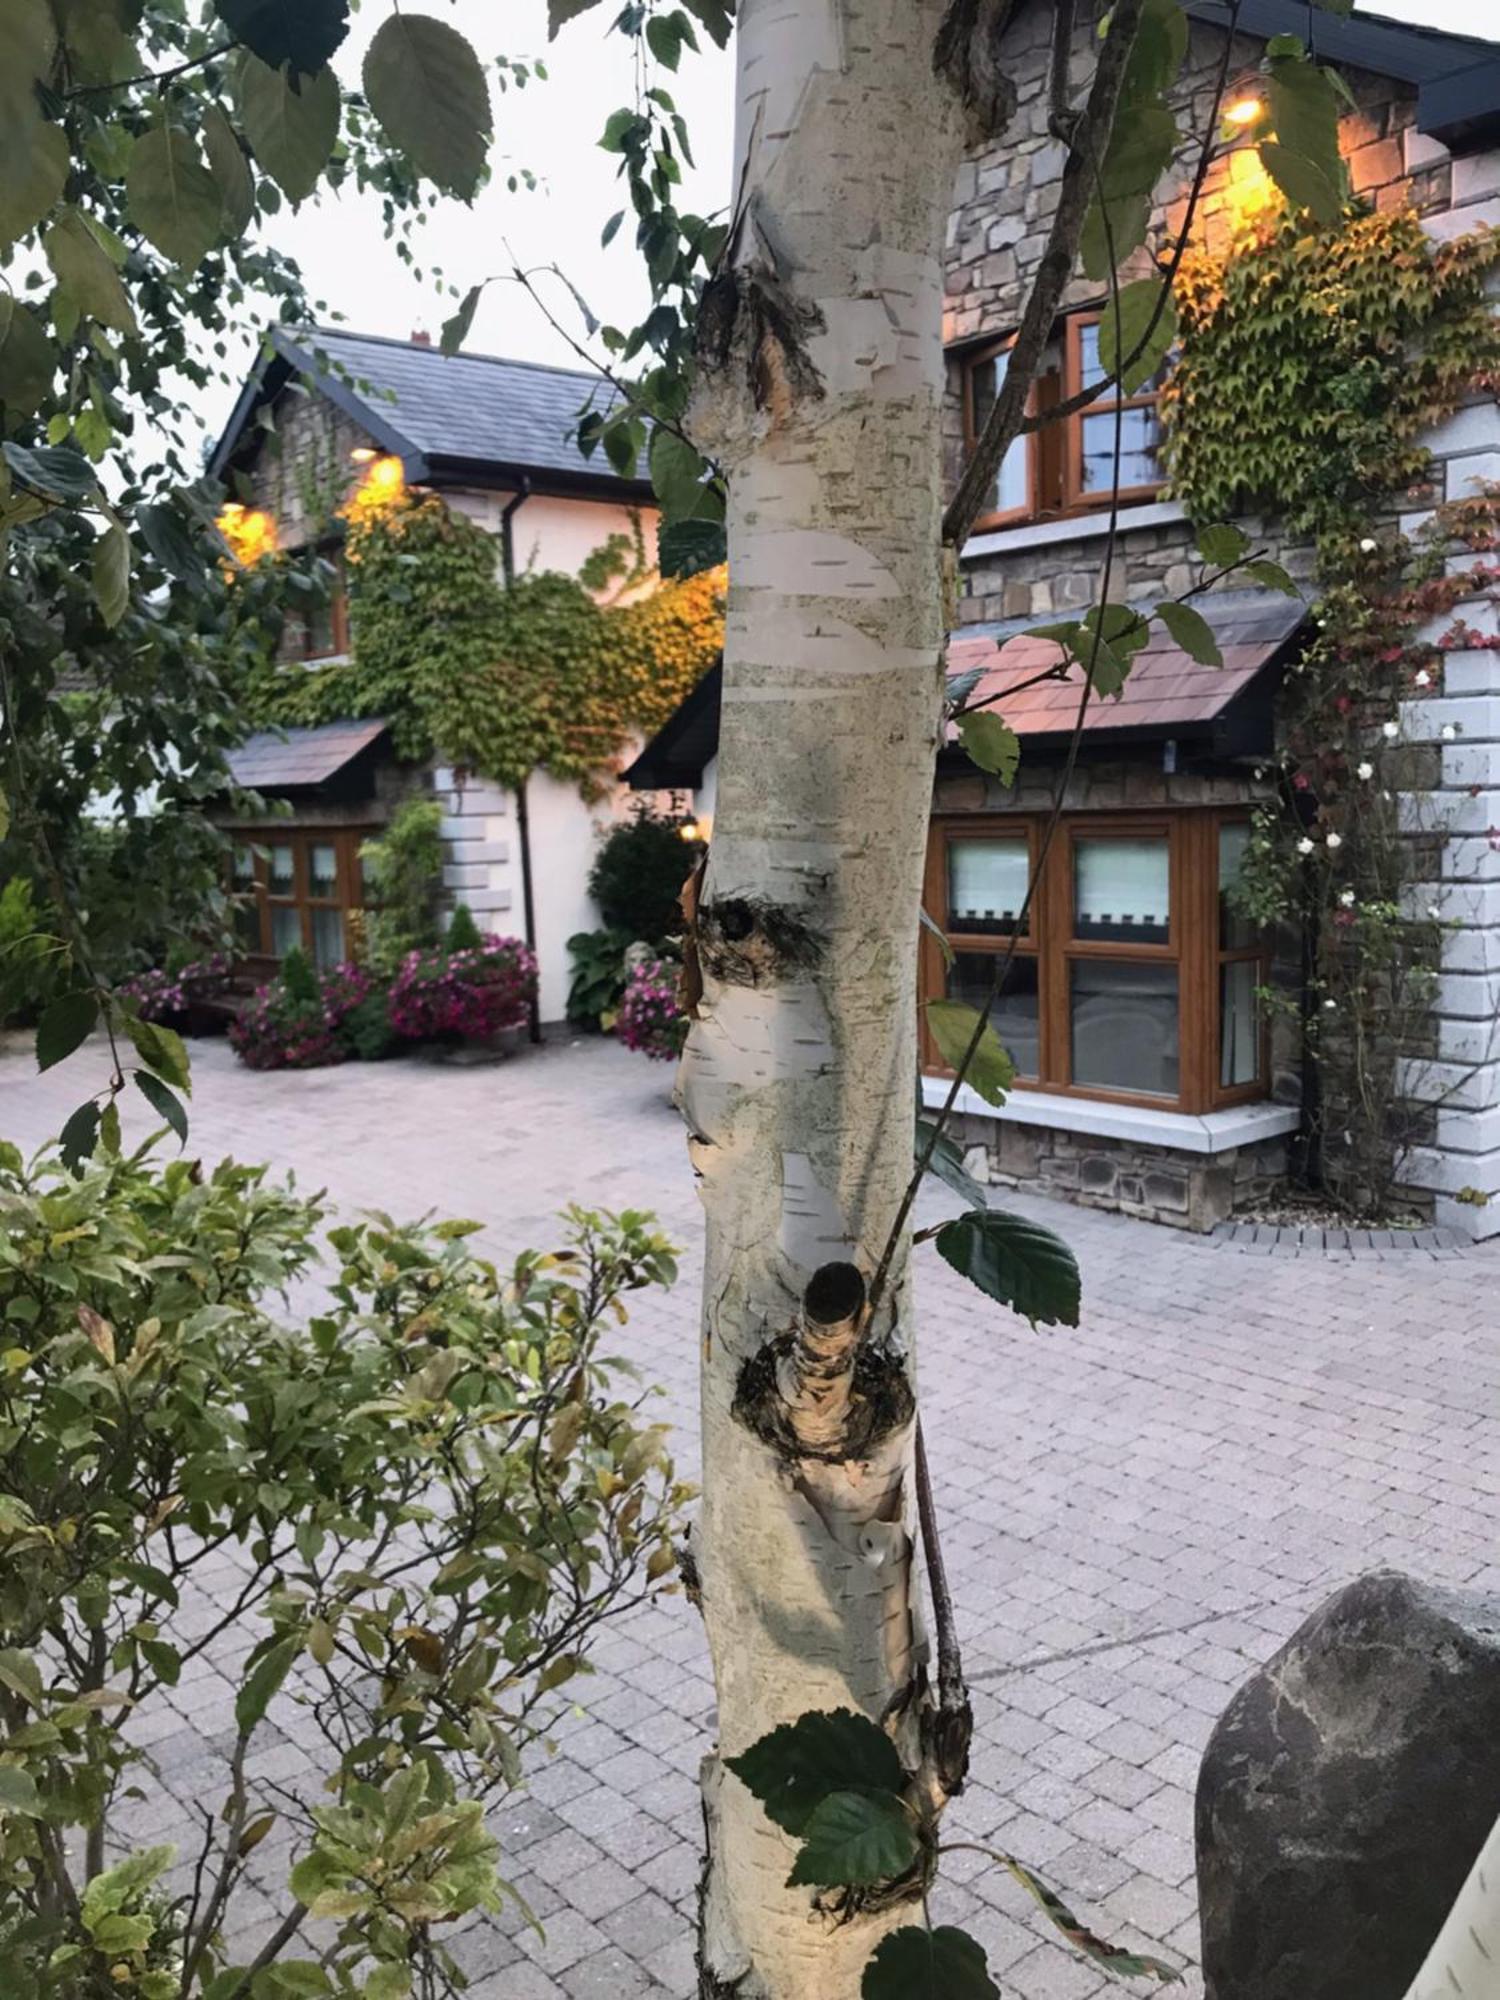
1189,1132
1074,528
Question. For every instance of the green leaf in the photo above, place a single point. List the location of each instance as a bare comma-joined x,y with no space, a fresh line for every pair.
1016,1261
685,548
1148,322
1302,181
992,744
18,1792
1128,220
794,1768
163,1102
171,197
946,1163
717,16
161,1049
1140,151
855,1837
302,33
34,164
457,329
919,1964
667,35
65,1026
1113,1958
27,360
1304,110
426,86
28,40
560,12
87,274
291,131
230,169
611,229
677,473
990,1070
1273,576
1156,57
166,535
264,1680
301,1979
79,1136
54,469
110,574
1221,544
1192,632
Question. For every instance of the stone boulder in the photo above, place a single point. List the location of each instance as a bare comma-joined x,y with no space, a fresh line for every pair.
1345,1793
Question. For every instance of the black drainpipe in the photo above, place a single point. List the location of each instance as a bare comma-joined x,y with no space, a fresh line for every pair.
508,513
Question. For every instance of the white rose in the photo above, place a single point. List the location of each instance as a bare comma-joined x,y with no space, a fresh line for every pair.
1421,678
1330,1006
1390,731
1366,770
1368,546
1304,846
1335,840
1347,899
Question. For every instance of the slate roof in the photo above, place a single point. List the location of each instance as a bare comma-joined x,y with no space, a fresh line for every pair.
276,760
446,416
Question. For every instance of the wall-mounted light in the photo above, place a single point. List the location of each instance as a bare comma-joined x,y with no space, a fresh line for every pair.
364,454
1244,110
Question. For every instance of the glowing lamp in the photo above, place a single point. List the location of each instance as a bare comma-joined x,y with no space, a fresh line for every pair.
364,454
1244,111
689,832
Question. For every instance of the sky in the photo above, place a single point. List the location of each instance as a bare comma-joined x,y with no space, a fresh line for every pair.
552,130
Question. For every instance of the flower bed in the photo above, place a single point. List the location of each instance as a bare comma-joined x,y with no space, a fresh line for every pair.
295,1021
651,1019
173,998
467,995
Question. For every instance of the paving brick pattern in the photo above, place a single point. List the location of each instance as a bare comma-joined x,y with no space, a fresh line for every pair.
1136,1513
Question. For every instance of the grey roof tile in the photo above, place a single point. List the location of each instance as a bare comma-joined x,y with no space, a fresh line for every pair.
273,758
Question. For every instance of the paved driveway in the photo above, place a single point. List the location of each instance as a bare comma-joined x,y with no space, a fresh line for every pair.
1136,1511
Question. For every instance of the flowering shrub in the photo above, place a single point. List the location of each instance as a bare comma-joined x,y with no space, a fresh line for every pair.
162,995
295,1021
651,1019
464,995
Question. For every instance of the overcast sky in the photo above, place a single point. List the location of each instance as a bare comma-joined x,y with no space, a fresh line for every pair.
552,128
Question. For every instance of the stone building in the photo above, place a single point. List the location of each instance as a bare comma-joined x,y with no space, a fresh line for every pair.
325,413
1149,1078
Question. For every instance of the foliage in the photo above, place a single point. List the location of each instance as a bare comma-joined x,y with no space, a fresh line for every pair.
1313,358
638,873
302,1019
467,995
650,1017
598,979
366,1032
1016,1261
28,959
462,933
405,868
434,1492
171,995
500,681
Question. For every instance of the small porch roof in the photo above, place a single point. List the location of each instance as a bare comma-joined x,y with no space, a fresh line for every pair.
281,760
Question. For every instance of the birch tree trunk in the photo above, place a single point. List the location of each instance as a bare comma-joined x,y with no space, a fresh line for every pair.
822,383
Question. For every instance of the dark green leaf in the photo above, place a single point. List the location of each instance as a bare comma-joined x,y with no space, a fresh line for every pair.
291,131
684,548
992,744
946,1163
1222,543
715,15
855,1837
795,1767
56,469
162,1050
263,1681
611,229
34,161
457,329
1302,181
1161,42
989,1070
109,1129
110,574
163,1102
677,474
87,273
1127,219
1148,323
1140,151
18,1793
169,539
65,1026
560,12
1305,113
427,87
171,197
1016,1261
303,33
27,360
1192,632
79,1136
1273,576
230,169
919,1964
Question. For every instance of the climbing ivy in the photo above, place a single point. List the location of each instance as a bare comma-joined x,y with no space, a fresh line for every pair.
505,681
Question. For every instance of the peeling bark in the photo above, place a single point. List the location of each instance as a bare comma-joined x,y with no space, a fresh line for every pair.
821,394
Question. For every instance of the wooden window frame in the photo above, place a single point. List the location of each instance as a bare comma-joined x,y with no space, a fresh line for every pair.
1192,947
1075,499
1224,1095
1004,517
349,880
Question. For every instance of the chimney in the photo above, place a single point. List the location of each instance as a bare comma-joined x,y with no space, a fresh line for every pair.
421,337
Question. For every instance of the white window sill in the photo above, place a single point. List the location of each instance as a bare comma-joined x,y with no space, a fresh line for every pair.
1189,1132
1078,528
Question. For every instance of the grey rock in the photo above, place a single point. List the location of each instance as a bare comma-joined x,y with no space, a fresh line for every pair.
1345,1793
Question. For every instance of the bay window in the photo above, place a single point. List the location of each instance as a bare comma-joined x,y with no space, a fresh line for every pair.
1131,977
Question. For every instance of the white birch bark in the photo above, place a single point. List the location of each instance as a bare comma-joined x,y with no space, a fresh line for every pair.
797,1079
1464,1963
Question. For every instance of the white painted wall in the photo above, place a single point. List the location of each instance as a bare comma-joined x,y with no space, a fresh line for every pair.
549,531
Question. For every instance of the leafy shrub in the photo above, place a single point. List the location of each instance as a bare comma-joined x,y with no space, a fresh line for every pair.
30,961
170,995
598,977
462,933
405,868
638,875
296,1021
418,1507
365,1031
464,995
651,1018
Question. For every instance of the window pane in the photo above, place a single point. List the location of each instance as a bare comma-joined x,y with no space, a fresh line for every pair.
1239,1023
1014,1014
244,867
323,871
327,938
1122,889
986,884
1140,436
1124,1026
286,928
1088,355
1010,491
283,871
1236,931
247,923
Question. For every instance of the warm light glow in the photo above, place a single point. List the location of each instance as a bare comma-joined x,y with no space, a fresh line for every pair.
1244,111
689,832
1250,194
383,485
249,531
362,454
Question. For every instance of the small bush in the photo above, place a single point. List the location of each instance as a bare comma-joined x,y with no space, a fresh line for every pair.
366,1032
170,995
651,1018
638,875
464,995
462,933
405,866
297,1020
598,977
31,961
